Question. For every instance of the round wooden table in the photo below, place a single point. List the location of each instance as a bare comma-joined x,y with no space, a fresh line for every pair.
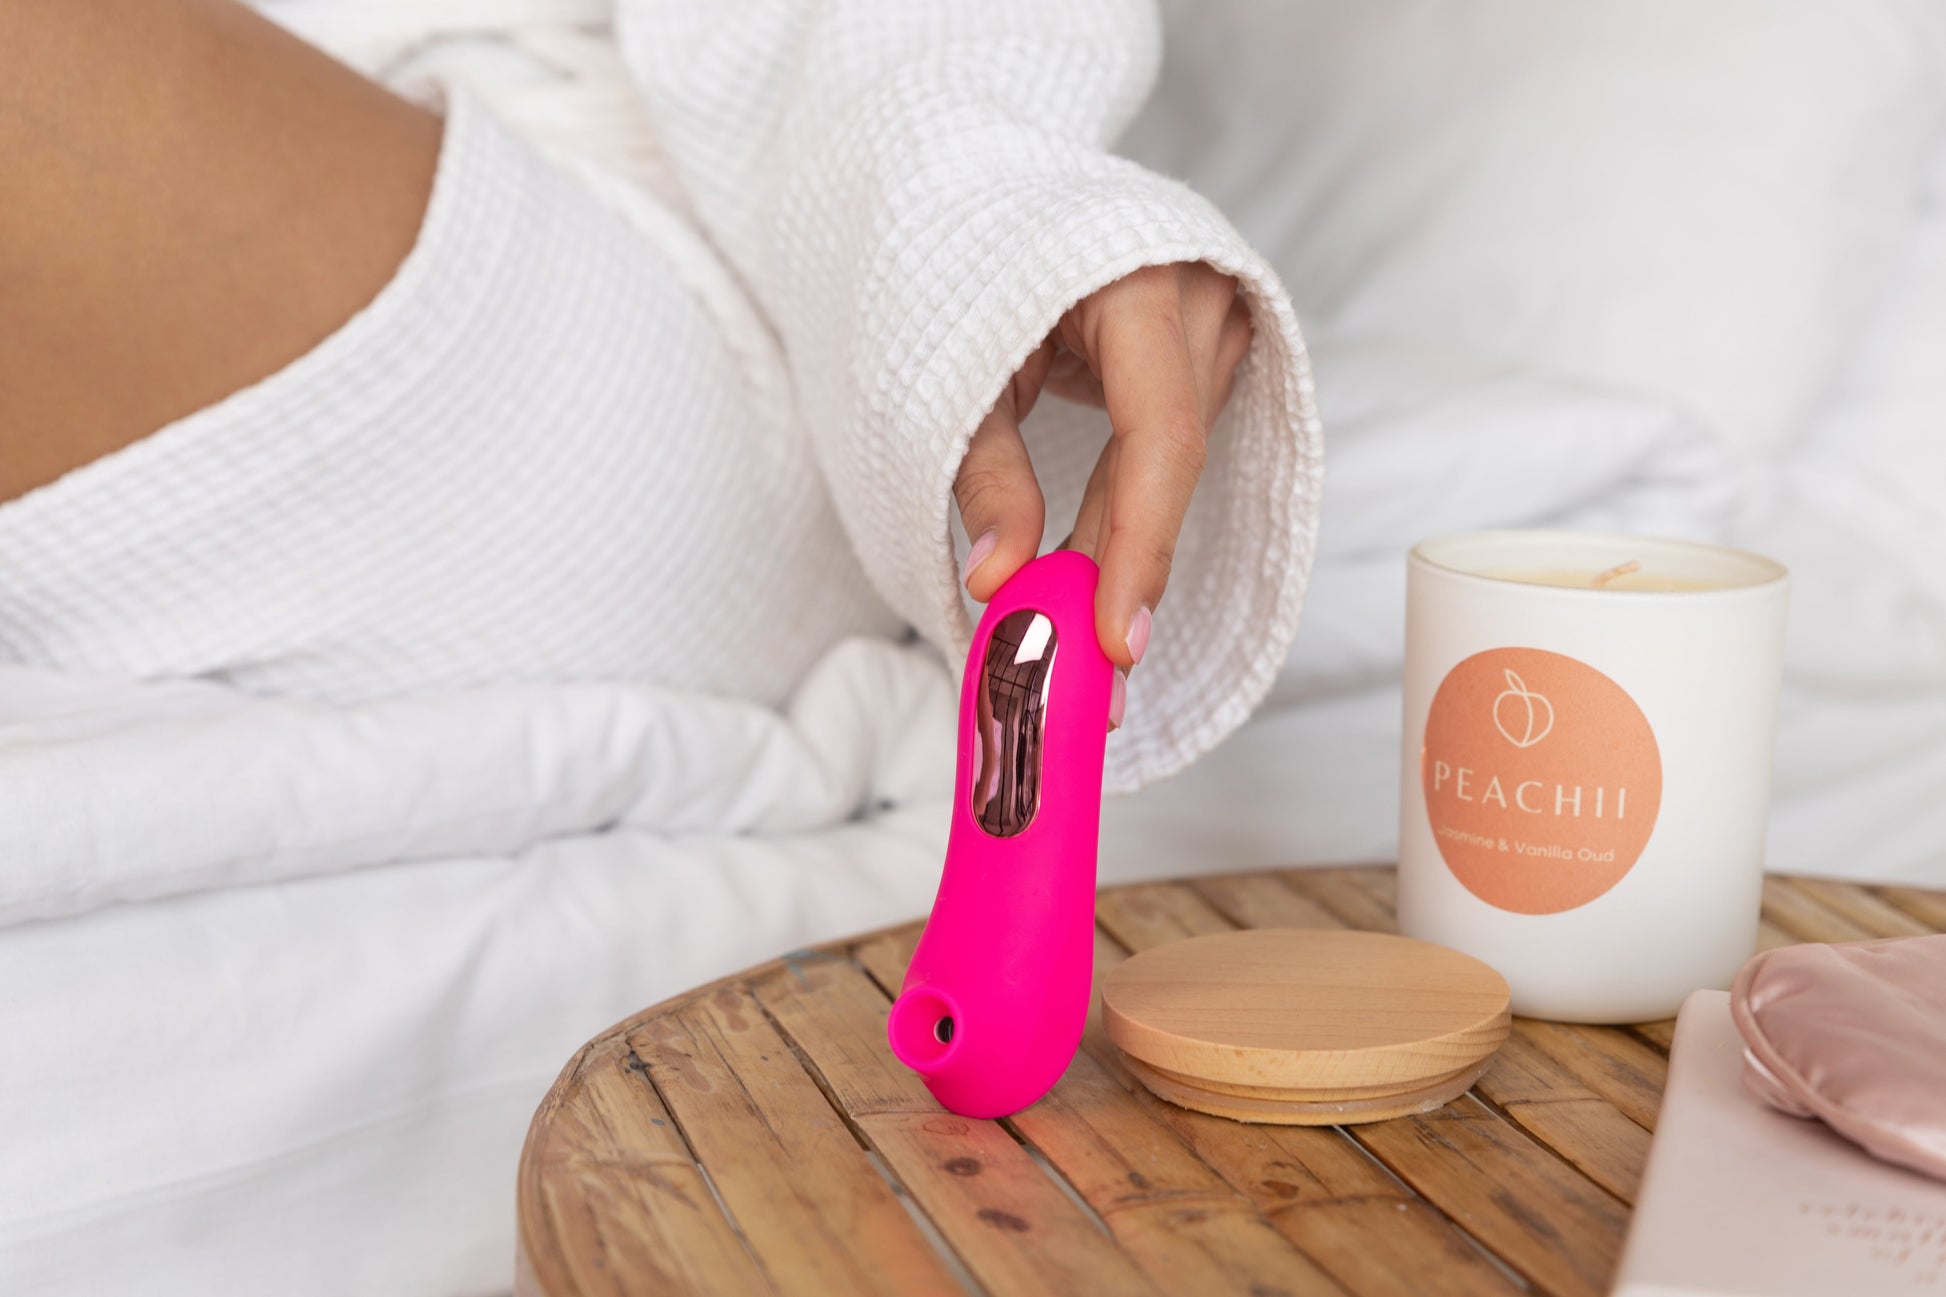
756,1136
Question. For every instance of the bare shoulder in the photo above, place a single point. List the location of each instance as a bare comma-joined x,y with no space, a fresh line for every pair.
195,198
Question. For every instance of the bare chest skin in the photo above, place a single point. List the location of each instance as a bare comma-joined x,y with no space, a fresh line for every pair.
194,198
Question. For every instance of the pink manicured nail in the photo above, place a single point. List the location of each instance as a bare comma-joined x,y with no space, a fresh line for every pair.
982,550
1138,632
1117,701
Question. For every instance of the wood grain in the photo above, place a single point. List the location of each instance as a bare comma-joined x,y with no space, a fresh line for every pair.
1546,1099
1017,1230
1188,1228
1527,1206
755,1136
1318,1015
1927,907
1360,898
1794,909
797,1183
1562,1083
1611,1062
629,1207
1280,1108
1873,915
1658,1034
1315,1186
1565,1212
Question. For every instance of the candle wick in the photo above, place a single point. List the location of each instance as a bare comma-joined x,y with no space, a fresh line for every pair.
1620,569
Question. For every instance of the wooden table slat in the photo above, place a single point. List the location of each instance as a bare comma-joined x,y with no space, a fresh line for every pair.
1141,1179
796,1182
885,956
1610,1061
1531,1082
1012,1226
1181,1221
837,1172
1569,1211
1356,896
1262,901
1528,1206
1927,907
1873,915
1549,1102
1338,1205
1149,914
1318,1188
1770,936
1800,914
1658,1034
655,1225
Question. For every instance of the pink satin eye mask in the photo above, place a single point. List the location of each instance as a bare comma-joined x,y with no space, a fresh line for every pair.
1854,1035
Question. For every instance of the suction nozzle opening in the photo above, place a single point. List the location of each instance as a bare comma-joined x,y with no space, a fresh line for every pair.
922,1028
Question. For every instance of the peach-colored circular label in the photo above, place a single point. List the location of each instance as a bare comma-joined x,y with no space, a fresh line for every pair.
1542,779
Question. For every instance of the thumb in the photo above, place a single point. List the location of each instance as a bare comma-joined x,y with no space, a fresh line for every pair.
999,502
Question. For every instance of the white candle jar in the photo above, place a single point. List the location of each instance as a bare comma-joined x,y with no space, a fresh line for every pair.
1586,774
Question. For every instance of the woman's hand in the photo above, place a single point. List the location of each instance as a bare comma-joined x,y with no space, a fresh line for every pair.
1158,350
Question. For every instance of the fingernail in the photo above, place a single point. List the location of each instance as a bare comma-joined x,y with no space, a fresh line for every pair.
982,550
1117,701
1138,632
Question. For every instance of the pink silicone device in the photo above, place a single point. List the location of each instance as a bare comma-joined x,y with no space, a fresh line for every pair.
996,995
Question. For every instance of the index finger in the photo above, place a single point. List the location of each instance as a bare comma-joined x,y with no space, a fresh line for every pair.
1155,405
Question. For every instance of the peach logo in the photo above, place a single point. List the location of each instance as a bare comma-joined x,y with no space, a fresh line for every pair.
1530,826
1523,716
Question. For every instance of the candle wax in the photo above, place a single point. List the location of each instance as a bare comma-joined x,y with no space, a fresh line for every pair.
1583,580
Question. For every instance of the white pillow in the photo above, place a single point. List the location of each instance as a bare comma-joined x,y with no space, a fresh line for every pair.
1698,200
1858,512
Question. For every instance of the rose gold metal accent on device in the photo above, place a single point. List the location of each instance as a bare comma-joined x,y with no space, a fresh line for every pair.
1012,702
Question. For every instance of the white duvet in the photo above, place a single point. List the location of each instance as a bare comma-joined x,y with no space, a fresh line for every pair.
282,983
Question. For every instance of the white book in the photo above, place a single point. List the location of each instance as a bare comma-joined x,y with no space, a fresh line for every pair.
1739,1199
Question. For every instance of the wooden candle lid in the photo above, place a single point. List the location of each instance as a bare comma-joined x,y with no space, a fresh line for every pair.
1305,1026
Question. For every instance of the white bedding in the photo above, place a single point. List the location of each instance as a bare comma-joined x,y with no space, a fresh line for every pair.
320,1087
278,1007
